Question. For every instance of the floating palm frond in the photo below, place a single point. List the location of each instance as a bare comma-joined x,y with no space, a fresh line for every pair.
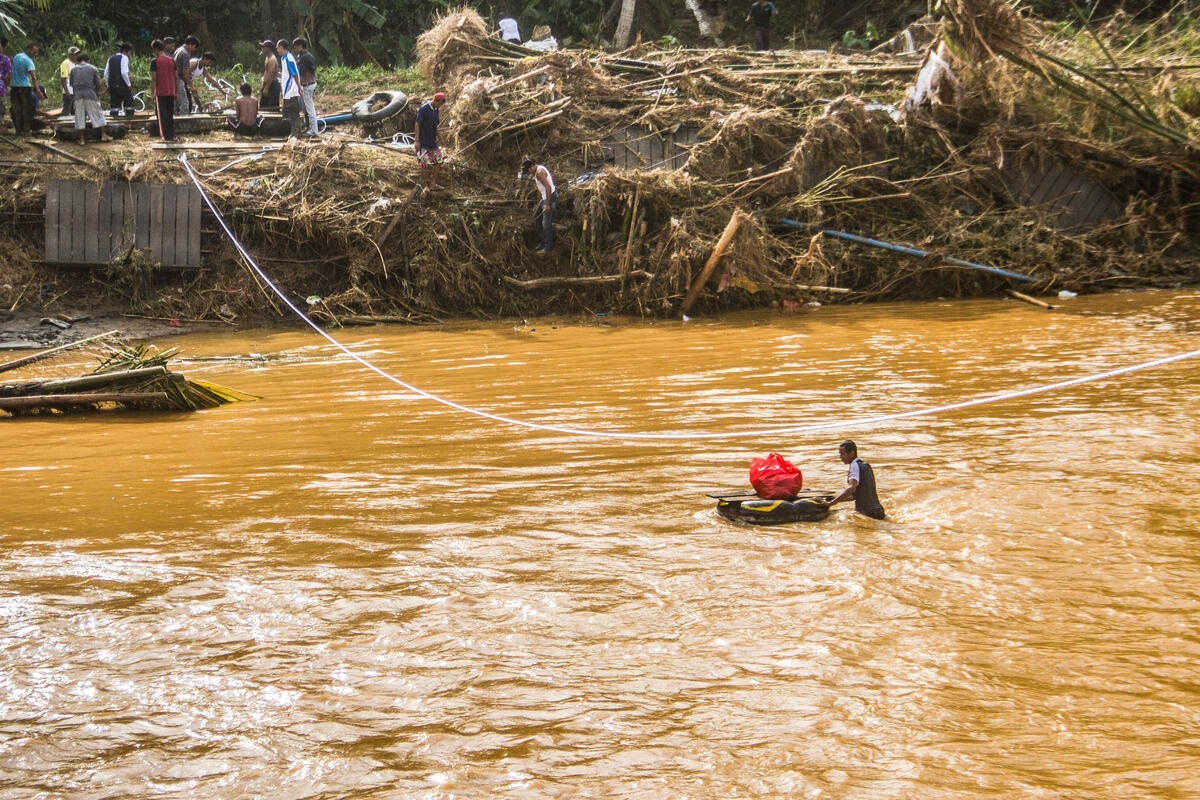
133,377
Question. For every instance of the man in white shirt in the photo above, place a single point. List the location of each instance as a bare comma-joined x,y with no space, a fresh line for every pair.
509,31
289,76
116,76
543,217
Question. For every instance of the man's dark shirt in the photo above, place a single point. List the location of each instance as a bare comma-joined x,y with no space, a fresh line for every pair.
307,66
760,14
866,500
427,124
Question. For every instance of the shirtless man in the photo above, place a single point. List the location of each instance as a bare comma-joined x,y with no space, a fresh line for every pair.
269,97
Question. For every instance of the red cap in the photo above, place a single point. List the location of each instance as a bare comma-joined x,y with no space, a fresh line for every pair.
439,95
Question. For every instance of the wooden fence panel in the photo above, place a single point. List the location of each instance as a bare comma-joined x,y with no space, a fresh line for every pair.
89,222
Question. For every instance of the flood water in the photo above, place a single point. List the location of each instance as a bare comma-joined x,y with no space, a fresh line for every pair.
346,591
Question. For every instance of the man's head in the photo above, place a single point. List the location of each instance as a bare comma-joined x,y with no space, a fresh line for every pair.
281,46
526,165
126,48
156,46
82,58
208,59
168,44
31,49
847,451
300,44
439,99
191,43
245,89
72,53
267,46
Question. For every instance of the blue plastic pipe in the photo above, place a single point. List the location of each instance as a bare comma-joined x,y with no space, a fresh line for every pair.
337,118
912,251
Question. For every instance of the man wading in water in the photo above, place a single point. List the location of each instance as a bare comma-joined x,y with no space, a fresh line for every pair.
860,483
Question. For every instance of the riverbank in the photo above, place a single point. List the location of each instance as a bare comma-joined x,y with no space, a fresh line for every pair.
676,170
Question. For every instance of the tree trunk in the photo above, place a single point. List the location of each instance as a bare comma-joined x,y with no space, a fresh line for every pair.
625,23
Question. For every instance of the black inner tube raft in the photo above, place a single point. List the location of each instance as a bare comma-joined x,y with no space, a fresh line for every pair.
392,103
771,512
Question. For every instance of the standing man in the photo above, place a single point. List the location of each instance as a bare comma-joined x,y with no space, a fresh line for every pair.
162,74
289,76
5,81
543,217
761,13
116,75
269,97
85,88
308,82
183,75
860,483
24,86
428,154
64,74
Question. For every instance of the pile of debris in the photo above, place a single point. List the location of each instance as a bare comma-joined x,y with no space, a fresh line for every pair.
132,378
678,168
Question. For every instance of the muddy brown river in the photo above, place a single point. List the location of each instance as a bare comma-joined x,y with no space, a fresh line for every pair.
346,591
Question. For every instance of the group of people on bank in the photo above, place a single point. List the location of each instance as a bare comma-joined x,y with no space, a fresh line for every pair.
178,71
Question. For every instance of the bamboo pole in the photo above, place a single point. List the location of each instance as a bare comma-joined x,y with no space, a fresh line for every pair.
1031,300
39,400
27,360
731,227
586,280
625,262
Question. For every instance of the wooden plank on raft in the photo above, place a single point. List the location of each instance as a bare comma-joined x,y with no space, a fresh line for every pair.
91,223
53,189
114,197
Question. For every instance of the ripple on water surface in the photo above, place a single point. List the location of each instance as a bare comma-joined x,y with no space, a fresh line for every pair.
347,591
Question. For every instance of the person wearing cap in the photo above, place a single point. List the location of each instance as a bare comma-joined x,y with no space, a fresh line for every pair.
429,157
64,77
543,216
289,75
860,483
269,97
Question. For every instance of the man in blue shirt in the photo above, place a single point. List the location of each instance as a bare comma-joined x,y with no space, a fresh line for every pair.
24,85
761,13
428,154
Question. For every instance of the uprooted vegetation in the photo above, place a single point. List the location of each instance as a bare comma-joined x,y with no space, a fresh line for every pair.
806,136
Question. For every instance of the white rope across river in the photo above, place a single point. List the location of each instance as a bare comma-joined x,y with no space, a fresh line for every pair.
840,425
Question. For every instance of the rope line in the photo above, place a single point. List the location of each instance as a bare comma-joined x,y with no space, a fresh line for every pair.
854,422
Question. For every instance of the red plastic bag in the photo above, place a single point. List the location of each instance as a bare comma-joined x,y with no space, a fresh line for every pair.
775,478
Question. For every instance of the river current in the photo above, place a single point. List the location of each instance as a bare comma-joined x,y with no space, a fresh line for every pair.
346,591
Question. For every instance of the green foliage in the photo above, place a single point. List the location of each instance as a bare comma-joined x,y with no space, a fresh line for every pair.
852,41
10,17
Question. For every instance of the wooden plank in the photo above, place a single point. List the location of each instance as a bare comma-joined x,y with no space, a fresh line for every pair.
156,222
77,222
53,189
181,224
142,225
66,201
116,218
98,248
128,218
194,211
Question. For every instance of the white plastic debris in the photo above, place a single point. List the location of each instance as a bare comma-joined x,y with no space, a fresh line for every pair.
1067,294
